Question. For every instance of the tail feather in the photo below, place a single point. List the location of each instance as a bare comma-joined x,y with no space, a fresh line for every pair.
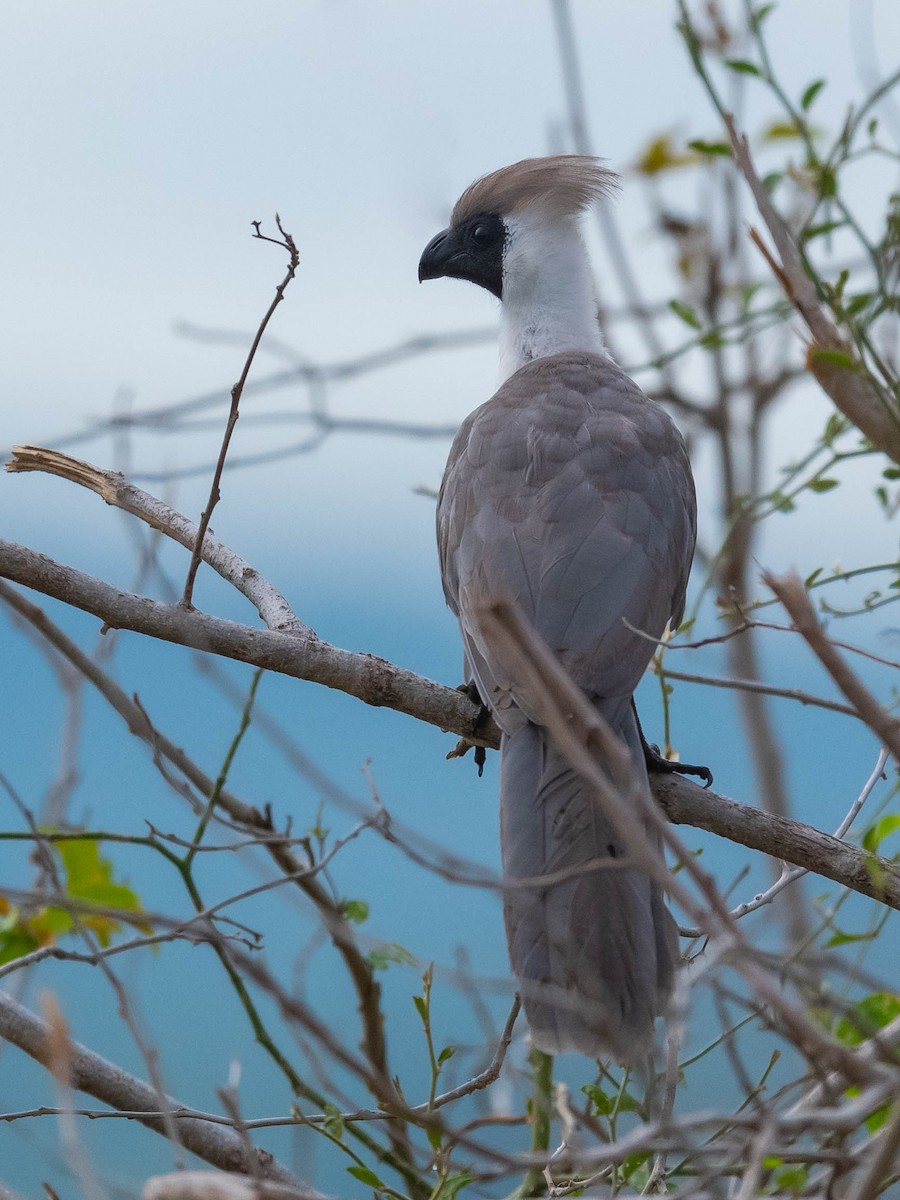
595,950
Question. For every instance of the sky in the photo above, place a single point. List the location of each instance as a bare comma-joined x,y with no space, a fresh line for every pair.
139,143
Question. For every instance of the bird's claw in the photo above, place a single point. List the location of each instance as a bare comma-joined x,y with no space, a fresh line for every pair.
463,746
658,764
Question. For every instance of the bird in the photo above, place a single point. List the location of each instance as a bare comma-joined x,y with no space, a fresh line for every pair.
569,492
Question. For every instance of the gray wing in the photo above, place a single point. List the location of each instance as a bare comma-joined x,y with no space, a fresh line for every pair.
571,493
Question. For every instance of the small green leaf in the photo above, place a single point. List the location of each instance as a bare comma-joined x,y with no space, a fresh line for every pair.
759,15
334,1121
772,180
781,131
882,828
687,314
453,1184
15,943
809,95
435,1138
781,502
843,939
838,358
381,956
713,340
835,425
355,910
791,1178
812,577
857,303
712,149
364,1175
811,232
891,473
822,485
446,1054
421,1008
661,154
742,66
601,1102
869,1015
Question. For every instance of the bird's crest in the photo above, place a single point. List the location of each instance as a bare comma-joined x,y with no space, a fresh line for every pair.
562,185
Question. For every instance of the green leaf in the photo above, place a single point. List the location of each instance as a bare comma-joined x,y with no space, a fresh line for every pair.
364,1175
822,485
810,94
355,910
781,131
687,314
812,577
869,1015
334,1122
89,877
712,149
435,1138
813,231
759,15
836,424
781,502
891,473
661,154
446,1054
772,180
838,358
14,943
857,303
713,340
843,939
601,1102
453,1184
791,1178
421,1008
875,834
381,956
742,66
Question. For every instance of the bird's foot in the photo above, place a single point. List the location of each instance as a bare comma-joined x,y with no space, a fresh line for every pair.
463,746
658,764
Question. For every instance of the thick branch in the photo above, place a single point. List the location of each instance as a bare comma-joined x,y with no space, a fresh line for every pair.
685,803
849,387
372,680
88,1072
380,683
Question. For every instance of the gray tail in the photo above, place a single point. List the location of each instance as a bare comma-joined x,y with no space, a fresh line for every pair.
595,952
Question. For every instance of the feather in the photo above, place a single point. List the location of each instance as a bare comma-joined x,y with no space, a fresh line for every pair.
561,186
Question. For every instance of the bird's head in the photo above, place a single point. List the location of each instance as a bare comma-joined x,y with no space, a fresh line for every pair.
508,224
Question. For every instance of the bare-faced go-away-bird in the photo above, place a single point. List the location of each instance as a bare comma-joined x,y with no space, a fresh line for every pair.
570,493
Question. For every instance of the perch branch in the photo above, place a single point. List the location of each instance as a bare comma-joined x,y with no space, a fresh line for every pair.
382,684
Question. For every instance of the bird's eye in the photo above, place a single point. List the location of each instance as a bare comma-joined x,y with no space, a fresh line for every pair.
481,234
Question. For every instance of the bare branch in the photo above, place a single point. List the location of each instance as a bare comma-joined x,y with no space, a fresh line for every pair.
98,1077
288,244
114,489
380,683
830,359
790,591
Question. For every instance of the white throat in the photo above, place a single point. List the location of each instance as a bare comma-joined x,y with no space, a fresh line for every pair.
549,302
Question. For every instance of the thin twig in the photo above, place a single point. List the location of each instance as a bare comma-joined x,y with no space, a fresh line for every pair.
288,244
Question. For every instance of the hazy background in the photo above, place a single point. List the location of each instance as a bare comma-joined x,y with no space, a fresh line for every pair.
138,143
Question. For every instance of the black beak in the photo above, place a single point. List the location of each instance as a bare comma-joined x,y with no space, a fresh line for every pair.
436,256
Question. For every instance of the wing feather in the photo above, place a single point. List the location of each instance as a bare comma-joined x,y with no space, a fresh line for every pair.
571,492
